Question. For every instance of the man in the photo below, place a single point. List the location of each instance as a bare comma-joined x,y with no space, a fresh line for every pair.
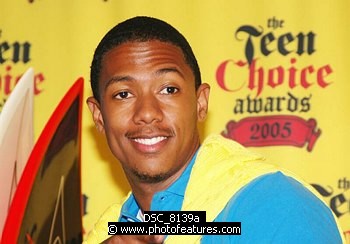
147,99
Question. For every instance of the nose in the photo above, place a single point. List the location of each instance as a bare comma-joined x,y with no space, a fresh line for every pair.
147,110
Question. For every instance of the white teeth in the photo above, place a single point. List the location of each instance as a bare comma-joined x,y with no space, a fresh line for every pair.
150,141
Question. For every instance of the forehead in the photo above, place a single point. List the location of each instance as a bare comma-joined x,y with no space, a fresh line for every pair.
142,55
141,49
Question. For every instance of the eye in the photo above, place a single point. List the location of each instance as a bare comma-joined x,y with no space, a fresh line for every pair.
169,90
123,95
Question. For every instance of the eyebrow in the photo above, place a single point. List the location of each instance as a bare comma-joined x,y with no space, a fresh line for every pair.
116,79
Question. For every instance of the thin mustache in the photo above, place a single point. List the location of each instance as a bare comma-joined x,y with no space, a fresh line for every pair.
150,131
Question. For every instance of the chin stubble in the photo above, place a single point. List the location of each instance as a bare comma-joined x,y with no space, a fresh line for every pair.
152,179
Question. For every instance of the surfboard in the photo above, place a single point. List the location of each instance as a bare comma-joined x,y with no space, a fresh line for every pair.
16,139
47,205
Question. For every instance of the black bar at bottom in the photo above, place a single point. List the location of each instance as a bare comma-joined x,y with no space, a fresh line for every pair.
147,228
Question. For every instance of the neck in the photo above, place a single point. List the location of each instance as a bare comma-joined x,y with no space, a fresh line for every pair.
144,191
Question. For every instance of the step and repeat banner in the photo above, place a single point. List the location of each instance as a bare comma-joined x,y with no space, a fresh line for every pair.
278,71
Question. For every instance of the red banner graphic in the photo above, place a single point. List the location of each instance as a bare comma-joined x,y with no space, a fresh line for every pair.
273,130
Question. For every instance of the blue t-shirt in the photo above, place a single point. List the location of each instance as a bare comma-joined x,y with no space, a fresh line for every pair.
273,208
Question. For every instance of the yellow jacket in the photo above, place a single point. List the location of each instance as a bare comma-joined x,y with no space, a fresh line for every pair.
221,169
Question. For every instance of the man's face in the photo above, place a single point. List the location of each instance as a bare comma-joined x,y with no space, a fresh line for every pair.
149,109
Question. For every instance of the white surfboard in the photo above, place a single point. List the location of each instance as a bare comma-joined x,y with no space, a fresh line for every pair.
16,139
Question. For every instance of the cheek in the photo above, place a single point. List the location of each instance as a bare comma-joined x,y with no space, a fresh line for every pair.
190,111
115,124
184,117
115,135
116,115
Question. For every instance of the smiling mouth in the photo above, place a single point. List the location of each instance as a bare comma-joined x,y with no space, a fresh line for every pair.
150,141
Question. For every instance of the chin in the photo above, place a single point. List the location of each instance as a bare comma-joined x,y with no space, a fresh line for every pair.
151,178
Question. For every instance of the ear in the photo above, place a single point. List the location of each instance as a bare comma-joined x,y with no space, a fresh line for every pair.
95,110
202,101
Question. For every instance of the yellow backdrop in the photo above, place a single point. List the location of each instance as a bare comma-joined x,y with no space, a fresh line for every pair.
278,72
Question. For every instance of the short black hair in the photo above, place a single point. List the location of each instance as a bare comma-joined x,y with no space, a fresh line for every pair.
141,29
